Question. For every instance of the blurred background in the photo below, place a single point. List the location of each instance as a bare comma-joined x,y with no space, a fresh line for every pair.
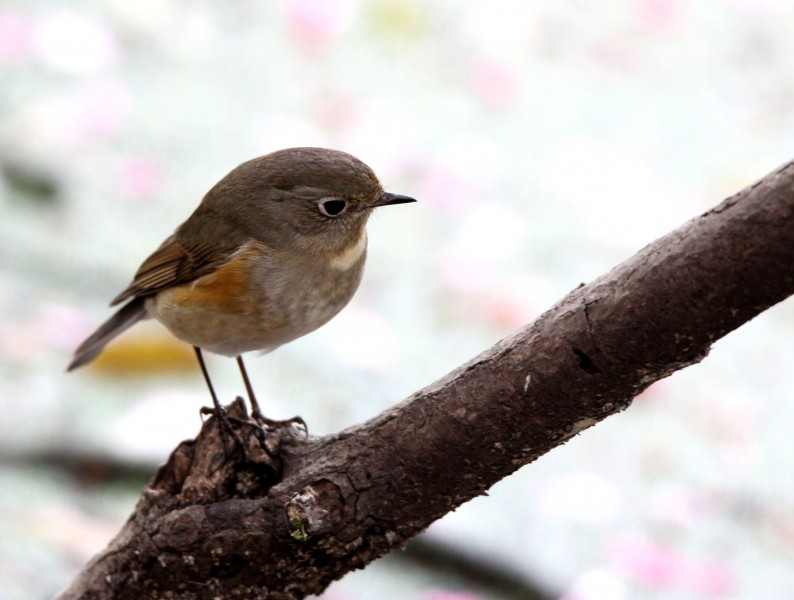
546,141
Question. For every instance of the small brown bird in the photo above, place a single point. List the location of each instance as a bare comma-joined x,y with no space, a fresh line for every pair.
275,250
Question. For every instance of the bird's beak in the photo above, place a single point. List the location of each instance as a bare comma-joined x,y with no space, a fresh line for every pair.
387,198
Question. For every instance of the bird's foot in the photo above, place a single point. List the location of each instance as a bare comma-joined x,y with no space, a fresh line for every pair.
273,424
225,424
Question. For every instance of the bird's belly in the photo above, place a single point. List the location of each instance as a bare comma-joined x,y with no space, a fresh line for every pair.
219,328
239,309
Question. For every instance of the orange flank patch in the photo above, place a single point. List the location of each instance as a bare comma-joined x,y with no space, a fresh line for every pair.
224,290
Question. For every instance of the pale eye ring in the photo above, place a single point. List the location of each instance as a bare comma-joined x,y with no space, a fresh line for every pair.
332,207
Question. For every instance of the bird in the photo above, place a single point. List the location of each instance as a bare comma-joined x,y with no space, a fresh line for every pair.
273,251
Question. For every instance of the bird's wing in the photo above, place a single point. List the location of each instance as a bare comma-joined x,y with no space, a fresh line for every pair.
183,257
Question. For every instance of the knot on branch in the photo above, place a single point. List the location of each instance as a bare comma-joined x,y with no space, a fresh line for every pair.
205,470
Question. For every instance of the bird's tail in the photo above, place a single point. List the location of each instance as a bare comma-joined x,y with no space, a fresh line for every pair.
123,319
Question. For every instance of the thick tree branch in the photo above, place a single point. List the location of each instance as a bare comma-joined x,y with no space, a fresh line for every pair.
285,527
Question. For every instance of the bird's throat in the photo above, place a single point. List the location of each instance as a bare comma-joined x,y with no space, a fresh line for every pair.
348,256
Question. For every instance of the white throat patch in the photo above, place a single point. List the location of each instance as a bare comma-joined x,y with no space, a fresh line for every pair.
350,255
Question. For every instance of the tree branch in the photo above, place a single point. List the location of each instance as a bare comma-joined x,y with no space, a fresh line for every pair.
288,521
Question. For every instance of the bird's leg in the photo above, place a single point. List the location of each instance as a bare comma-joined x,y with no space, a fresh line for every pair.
256,412
218,410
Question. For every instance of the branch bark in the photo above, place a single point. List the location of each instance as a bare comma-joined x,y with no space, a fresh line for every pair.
288,520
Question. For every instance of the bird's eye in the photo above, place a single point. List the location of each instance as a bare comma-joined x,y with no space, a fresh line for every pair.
332,207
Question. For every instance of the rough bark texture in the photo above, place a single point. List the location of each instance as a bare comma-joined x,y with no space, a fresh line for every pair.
285,526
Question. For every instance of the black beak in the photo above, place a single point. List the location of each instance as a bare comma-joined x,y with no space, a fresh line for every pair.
387,198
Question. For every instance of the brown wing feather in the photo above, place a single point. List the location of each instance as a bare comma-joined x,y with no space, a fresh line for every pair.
183,257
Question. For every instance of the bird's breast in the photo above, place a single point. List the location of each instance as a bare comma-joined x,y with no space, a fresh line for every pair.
260,298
